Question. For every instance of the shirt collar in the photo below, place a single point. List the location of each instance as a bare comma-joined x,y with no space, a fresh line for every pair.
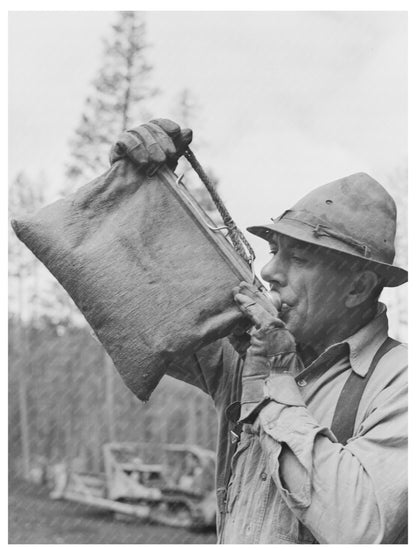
362,345
367,340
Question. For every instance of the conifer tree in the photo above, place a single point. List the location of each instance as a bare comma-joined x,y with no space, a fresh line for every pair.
396,298
117,100
34,294
187,111
25,195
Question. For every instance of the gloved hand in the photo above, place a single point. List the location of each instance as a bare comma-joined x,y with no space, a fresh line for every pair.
272,350
240,337
152,144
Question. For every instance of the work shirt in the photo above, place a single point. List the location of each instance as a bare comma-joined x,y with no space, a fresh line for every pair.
291,481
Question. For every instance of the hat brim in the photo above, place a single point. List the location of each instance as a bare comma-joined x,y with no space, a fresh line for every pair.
393,276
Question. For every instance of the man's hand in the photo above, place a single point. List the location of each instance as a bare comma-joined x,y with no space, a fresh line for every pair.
272,349
161,141
240,337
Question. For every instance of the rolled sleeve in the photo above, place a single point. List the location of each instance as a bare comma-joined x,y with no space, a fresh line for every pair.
287,421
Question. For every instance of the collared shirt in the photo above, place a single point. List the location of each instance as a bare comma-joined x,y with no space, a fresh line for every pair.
291,481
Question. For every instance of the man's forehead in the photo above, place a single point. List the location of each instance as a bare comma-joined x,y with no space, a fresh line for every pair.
283,241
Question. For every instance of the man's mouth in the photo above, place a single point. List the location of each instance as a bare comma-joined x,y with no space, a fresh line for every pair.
284,307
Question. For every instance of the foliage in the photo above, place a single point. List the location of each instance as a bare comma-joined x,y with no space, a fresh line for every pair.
187,110
117,100
396,298
34,293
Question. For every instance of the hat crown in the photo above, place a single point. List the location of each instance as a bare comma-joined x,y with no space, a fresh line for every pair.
359,207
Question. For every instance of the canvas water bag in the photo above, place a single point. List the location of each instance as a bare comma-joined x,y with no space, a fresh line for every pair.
139,259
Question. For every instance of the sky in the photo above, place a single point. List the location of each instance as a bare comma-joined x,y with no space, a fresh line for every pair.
288,100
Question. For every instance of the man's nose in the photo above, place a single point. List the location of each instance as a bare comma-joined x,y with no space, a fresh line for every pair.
274,271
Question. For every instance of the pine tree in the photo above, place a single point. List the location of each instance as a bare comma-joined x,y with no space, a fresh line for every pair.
396,298
117,101
25,195
34,294
187,110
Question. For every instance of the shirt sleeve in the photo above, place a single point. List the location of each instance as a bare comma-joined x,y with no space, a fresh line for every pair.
355,493
209,369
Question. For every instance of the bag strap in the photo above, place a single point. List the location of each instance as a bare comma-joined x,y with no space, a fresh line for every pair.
347,406
240,243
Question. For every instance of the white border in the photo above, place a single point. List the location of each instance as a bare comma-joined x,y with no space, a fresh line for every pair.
215,5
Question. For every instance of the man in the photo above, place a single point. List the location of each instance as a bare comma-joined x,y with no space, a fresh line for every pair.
312,403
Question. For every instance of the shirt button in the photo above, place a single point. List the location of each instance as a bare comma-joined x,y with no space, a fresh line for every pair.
263,476
301,383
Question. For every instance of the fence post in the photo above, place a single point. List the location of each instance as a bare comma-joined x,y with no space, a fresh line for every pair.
24,426
193,424
109,397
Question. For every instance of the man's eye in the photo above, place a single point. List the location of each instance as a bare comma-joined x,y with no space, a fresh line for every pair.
272,252
297,258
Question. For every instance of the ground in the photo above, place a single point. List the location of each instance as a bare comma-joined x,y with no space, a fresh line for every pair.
36,519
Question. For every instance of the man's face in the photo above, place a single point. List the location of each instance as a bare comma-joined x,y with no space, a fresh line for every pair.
310,286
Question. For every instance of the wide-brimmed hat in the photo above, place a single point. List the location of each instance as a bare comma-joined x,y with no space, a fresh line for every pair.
354,215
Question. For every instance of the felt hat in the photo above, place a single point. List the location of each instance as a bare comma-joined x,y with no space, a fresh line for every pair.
354,215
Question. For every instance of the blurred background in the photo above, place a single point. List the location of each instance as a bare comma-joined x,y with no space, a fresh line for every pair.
280,102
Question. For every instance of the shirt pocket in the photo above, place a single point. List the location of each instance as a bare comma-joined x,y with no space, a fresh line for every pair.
280,524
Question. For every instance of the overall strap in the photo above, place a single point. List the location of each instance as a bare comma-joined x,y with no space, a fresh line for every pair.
347,406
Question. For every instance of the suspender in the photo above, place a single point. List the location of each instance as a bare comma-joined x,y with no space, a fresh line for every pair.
351,394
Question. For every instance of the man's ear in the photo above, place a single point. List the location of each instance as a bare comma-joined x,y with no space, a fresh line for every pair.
363,284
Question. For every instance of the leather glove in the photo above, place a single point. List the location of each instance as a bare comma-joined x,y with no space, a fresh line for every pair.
272,350
161,141
240,337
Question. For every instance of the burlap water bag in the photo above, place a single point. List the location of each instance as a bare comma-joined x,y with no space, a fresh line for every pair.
139,260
